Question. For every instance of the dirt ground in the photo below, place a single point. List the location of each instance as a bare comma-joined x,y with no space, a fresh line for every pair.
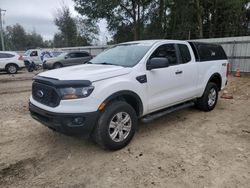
184,149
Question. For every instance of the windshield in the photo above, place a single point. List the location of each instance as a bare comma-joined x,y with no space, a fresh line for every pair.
27,53
126,55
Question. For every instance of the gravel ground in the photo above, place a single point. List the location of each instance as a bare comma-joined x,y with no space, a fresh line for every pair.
188,148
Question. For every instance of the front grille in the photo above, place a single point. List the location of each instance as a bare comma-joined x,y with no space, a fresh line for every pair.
45,94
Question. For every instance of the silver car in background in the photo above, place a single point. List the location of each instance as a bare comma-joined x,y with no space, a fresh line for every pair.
67,59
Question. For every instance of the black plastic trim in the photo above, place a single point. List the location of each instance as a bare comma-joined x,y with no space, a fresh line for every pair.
142,79
62,83
129,93
213,75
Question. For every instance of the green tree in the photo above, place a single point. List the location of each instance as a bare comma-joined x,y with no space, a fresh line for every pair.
16,38
16,35
126,13
73,31
67,28
176,19
34,40
87,31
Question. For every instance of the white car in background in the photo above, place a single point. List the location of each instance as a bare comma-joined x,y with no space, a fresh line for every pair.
11,62
39,56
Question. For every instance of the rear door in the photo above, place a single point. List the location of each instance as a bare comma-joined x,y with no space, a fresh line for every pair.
70,59
3,60
173,84
84,57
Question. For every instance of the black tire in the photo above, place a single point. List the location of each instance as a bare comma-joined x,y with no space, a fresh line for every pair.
11,69
103,131
57,66
203,102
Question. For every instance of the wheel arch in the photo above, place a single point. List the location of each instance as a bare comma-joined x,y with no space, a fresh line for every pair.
130,97
217,79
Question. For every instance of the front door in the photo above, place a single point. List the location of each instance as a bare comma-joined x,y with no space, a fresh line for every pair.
166,86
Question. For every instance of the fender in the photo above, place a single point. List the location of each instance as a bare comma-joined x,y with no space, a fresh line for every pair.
219,82
11,64
127,93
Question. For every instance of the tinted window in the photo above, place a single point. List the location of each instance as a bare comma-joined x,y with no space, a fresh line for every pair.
168,51
2,55
5,55
184,53
196,55
10,55
209,52
82,54
72,55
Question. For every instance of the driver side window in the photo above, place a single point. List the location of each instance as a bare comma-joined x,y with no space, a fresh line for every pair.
33,54
168,51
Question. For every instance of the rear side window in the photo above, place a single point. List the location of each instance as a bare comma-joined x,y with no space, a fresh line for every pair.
184,53
196,55
72,55
2,55
33,54
6,55
82,54
10,55
210,52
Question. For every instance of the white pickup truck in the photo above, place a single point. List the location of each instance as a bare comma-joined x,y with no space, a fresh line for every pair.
143,80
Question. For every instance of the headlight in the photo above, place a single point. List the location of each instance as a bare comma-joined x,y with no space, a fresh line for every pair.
76,92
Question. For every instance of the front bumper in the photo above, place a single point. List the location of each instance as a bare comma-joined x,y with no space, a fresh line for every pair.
47,66
82,124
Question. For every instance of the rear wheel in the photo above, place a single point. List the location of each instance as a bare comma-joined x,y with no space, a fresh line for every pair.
209,98
116,126
11,68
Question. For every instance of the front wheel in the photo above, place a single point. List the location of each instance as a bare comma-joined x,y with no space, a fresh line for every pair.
209,98
116,126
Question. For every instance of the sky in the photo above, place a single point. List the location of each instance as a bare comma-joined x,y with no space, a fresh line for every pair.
38,15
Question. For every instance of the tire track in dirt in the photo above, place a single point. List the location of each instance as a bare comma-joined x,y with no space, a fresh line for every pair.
15,92
20,170
15,79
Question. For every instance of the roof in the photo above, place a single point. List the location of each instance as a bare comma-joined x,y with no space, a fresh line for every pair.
10,52
150,42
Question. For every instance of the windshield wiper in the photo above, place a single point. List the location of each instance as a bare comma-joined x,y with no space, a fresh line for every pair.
105,63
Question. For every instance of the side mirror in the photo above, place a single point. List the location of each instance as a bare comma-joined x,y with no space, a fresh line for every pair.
66,57
157,63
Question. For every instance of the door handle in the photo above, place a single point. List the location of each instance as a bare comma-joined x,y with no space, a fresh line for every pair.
178,72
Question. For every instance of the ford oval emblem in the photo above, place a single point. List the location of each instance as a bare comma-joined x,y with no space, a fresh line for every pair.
40,93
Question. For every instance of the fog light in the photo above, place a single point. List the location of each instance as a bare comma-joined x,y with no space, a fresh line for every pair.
78,120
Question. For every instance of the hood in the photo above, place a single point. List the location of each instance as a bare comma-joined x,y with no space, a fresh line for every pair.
91,72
